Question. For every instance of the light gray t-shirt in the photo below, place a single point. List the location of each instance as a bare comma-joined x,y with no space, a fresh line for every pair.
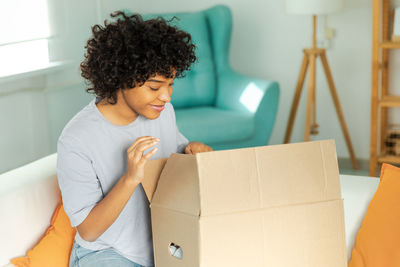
92,158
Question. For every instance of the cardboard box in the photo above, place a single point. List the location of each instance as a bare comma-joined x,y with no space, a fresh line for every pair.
269,206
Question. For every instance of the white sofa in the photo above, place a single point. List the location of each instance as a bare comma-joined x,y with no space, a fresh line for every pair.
29,195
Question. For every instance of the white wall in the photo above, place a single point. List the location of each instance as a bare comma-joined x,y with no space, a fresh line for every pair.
34,110
266,43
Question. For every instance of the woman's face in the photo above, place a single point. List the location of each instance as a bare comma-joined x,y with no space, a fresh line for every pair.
149,99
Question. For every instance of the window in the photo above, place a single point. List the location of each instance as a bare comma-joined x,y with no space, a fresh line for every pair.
25,30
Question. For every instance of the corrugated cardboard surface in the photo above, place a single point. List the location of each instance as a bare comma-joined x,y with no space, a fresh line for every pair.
178,228
263,177
265,206
292,236
152,174
178,186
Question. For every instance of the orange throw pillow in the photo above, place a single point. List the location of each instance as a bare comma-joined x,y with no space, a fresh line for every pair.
55,246
378,240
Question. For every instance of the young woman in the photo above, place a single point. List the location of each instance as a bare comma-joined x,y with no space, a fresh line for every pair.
130,65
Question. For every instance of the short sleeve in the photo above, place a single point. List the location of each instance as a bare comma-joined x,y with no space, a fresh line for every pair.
80,188
181,141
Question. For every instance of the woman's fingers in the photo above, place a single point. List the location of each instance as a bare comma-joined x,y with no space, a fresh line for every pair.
137,141
141,147
197,147
149,155
136,159
133,150
188,150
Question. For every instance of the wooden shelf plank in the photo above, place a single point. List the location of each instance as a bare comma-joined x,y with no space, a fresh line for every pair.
390,101
390,45
389,159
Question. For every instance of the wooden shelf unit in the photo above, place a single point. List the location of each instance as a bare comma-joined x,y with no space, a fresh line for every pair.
389,101
389,159
380,98
389,44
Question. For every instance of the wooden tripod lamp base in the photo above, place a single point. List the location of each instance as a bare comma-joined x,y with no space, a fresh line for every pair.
309,60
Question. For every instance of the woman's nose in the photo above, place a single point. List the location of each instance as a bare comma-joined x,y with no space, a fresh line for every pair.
165,95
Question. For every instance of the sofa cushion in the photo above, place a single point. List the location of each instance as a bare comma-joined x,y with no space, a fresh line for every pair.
217,125
357,192
198,88
377,242
55,246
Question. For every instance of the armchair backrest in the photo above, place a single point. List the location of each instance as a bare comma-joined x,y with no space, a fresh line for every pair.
220,24
210,30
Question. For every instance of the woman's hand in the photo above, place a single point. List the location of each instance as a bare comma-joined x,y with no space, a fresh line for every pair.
197,147
136,159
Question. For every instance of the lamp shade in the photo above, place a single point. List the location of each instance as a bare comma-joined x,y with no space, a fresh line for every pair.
313,7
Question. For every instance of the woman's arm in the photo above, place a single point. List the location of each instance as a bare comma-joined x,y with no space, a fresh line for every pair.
107,210
103,215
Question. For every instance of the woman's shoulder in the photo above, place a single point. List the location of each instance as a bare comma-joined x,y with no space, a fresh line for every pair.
81,126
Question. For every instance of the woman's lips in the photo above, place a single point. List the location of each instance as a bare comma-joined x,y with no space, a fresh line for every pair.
157,108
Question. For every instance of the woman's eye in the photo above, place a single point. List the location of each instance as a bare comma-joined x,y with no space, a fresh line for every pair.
154,89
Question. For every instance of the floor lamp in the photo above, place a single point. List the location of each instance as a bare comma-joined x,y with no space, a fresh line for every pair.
314,8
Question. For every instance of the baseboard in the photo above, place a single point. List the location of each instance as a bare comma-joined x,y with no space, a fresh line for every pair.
345,163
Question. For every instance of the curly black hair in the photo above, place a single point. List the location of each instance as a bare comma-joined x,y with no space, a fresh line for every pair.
126,52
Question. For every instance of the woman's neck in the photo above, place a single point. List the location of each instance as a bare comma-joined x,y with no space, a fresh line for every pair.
119,113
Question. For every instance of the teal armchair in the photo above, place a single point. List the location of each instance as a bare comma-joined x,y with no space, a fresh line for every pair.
214,104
